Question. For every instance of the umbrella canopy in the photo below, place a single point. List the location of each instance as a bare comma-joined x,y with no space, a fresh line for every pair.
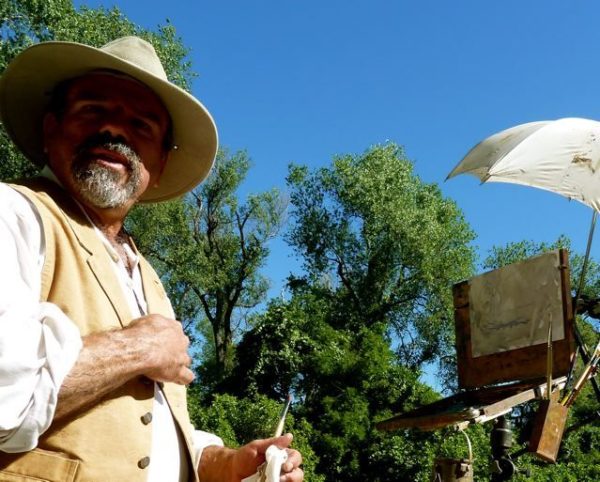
562,156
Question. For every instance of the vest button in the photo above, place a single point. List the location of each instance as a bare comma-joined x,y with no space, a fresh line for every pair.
144,462
146,418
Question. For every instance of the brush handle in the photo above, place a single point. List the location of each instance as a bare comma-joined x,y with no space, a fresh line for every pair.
284,411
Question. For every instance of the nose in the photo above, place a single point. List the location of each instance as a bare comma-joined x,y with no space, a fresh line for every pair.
114,124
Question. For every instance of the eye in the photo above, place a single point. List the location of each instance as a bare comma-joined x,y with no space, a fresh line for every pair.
143,127
92,109
89,111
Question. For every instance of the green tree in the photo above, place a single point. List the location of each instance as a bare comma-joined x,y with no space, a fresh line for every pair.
25,22
209,249
386,246
344,381
381,251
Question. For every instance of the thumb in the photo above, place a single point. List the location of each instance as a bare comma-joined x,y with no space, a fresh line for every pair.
282,442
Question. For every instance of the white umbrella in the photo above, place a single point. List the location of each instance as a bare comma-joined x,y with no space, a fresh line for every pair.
562,156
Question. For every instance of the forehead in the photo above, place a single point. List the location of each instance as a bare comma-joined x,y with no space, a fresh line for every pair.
106,87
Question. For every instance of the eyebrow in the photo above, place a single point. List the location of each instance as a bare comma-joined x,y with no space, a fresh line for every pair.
88,95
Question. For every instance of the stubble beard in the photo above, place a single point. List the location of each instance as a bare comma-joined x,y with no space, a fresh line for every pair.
103,187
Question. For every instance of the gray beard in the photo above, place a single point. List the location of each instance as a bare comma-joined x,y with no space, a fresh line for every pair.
103,187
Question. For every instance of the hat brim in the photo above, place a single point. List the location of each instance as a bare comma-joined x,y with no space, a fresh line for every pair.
24,94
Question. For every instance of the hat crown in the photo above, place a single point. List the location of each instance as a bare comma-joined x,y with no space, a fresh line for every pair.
137,52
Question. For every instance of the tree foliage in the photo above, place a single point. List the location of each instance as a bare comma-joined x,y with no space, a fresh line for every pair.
385,244
381,250
343,381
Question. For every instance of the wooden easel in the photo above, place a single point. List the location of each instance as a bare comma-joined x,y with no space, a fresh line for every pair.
496,382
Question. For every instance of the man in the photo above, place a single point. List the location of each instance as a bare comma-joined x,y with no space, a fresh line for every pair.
93,365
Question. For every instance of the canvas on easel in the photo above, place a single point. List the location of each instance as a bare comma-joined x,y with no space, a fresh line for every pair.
502,318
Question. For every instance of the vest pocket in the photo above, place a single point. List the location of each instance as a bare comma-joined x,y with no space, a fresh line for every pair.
8,477
37,465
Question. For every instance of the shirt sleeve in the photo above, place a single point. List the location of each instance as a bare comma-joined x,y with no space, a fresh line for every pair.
201,440
39,344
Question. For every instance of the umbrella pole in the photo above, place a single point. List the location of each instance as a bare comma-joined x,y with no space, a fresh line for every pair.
585,261
585,356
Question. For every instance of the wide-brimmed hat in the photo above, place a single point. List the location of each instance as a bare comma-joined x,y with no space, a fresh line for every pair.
26,85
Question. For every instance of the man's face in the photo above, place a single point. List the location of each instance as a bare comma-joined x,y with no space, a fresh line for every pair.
107,145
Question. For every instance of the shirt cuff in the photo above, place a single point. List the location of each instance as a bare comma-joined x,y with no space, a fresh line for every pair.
201,440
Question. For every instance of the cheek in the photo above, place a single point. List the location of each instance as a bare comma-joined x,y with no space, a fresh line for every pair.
59,150
154,161
67,138
148,173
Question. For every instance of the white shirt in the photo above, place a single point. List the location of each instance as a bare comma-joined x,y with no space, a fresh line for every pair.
39,344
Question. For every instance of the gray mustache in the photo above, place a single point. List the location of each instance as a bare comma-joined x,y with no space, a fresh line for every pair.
110,143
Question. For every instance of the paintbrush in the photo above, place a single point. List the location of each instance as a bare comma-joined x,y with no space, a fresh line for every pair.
286,407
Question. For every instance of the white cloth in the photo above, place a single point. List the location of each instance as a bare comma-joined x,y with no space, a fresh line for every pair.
39,344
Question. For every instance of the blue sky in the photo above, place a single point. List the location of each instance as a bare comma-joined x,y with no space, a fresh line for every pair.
303,81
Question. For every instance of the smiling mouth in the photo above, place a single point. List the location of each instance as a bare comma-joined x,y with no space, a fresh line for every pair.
108,158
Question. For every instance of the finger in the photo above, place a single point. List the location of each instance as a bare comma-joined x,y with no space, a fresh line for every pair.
296,476
294,460
282,441
186,376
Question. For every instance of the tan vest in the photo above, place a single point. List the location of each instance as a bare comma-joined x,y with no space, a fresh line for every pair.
112,440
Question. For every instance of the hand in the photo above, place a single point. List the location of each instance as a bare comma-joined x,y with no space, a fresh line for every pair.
246,459
165,347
